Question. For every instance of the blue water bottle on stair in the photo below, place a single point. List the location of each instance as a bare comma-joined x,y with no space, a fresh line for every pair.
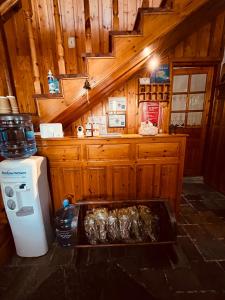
51,84
66,222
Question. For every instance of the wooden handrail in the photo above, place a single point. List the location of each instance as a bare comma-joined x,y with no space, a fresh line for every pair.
28,16
60,49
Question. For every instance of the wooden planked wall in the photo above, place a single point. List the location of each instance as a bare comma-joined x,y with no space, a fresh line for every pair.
201,47
204,43
129,90
88,21
214,172
3,82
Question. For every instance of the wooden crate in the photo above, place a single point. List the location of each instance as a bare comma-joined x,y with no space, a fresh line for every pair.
161,208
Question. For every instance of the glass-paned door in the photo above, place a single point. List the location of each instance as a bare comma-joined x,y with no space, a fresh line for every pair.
191,90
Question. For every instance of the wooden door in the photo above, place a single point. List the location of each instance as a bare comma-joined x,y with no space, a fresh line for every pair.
191,93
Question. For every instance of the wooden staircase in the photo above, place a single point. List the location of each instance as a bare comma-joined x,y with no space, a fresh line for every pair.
153,29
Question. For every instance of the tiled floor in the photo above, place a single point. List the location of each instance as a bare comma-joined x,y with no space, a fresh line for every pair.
193,269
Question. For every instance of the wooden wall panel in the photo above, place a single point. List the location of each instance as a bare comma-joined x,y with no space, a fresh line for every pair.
214,172
44,28
17,40
68,23
195,46
205,42
127,13
128,90
3,82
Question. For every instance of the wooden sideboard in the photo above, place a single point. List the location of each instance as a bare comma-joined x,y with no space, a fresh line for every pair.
127,167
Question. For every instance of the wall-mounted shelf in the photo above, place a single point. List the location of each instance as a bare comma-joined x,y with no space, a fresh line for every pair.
154,92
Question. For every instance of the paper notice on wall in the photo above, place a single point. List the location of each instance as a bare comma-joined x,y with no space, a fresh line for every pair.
117,103
150,111
100,121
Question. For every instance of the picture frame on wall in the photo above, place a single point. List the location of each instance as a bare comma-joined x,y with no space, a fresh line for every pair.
116,120
117,104
161,74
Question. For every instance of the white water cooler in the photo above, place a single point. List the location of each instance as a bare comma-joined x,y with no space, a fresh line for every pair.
27,201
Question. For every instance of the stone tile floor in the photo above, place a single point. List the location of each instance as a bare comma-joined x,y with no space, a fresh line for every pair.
192,269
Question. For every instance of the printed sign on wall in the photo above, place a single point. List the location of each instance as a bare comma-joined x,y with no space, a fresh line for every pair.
150,111
117,104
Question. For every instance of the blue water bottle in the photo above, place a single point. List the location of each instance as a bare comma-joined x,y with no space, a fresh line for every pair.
66,222
51,84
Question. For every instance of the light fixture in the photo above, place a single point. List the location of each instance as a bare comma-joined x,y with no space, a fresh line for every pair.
87,87
153,62
147,51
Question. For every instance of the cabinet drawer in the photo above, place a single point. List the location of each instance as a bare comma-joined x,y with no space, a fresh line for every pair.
158,150
61,153
112,152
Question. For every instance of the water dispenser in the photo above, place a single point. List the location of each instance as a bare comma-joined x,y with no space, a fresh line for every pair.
24,186
27,203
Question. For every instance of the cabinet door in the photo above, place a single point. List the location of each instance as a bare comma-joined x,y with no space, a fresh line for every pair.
168,184
145,181
123,182
95,182
65,181
157,181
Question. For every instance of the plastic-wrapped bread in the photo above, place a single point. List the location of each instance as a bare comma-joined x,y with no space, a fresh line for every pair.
101,221
149,223
135,222
90,229
124,223
113,225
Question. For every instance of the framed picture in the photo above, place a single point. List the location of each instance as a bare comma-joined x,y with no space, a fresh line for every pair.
161,74
117,104
115,120
144,80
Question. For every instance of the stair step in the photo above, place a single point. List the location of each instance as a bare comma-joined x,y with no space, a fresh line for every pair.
65,76
147,11
165,4
113,34
48,96
99,55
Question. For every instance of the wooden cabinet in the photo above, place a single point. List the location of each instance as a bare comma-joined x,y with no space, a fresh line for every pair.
131,167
